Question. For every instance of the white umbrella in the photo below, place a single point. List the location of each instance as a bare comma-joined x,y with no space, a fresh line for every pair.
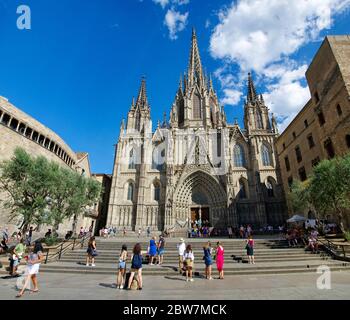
296,218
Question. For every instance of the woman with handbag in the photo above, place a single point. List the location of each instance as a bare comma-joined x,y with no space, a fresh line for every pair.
122,267
189,259
152,250
92,252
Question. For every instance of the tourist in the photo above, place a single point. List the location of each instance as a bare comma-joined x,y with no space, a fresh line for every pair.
181,247
139,233
122,267
152,252
230,232
3,246
48,234
33,264
161,249
313,244
124,232
249,230
220,259
208,260
241,232
250,249
136,266
148,232
114,231
19,235
5,235
16,257
29,236
91,252
105,232
81,232
188,257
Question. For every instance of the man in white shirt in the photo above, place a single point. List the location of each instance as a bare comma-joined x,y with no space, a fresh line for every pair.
181,248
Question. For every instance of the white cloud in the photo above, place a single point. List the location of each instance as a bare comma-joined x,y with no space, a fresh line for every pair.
261,36
174,19
163,3
176,22
232,97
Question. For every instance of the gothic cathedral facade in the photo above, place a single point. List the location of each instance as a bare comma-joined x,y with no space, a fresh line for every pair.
196,164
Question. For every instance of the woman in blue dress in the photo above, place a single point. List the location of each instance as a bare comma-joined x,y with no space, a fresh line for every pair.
208,260
152,250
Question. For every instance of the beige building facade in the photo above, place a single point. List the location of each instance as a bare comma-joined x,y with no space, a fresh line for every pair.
321,130
195,164
17,129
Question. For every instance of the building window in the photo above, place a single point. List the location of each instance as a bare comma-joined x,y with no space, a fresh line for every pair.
5,119
156,191
347,138
259,120
328,145
130,192
294,135
242,190
317,97
284,146
306,123
302,174
132,159
315,162
270,191
290,182
14,124
321,119
339,110
266,155
286,161
158,159
298,154
238,156
310,140
197,107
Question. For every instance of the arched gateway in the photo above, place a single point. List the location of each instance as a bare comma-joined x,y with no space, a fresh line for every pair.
200,195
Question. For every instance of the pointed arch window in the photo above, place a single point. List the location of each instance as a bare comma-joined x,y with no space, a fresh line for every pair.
238,156
259,120
197,110
266,155
132,159
242,190
156,194
130,192
158,158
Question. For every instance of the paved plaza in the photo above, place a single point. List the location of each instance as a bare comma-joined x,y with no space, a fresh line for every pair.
266,287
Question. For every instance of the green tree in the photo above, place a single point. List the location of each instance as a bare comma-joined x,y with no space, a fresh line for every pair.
329,187
299,196
27,184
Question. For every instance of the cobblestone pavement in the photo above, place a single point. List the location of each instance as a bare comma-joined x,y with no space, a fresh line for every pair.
90,287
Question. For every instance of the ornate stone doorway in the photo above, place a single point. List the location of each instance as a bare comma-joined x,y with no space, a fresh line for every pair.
199,194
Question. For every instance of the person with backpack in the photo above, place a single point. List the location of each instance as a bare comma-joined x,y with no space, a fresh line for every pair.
220,260
250,250
92,252
122,267
136,267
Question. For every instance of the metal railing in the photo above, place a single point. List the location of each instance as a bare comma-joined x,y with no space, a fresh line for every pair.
63,247
336,249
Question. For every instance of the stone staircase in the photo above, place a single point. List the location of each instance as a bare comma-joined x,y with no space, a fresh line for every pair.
272,257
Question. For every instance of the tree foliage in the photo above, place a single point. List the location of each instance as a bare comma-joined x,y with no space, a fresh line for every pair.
42,192
327,190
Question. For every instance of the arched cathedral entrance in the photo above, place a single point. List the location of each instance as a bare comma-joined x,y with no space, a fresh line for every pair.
200,195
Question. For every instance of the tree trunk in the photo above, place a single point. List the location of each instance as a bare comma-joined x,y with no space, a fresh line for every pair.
74,226
341,224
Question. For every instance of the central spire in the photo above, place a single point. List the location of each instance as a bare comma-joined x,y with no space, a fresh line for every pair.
195,70
251,96
142,100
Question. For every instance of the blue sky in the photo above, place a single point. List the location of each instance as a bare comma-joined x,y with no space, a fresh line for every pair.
79,66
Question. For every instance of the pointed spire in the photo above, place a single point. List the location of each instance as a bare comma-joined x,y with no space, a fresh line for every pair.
142,100
262,99
180,89
195,70
251,96
165,121
133,103
122,126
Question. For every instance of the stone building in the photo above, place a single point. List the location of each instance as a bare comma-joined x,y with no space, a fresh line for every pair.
17,129
196,164
321,130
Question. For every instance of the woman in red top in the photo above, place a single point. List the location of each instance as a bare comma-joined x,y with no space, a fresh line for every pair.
220,260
